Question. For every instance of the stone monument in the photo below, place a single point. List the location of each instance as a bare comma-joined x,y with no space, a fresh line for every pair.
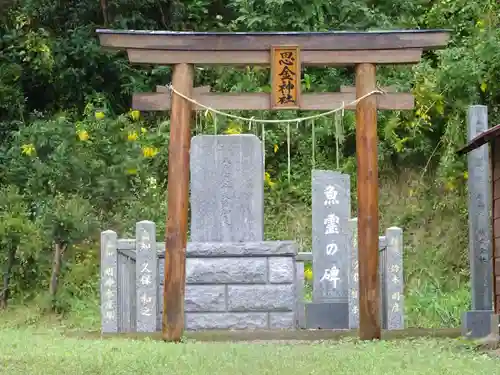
331,209
227,188
477,322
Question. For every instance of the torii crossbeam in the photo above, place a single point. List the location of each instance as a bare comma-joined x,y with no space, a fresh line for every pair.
184,49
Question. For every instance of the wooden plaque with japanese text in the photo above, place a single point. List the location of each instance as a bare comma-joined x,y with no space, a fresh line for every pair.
285,77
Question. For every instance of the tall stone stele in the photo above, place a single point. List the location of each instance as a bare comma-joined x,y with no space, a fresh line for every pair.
234,279
331,209
476,323
227,192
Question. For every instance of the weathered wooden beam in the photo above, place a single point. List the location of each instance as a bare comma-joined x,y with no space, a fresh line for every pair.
196,90
343,89
263,41
368,224
242,58
178,200
388,89
160,101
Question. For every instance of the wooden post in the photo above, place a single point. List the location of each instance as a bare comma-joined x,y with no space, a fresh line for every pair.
366,152
178,199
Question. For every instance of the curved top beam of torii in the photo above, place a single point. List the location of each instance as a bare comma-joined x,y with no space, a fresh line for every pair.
263,41
331,48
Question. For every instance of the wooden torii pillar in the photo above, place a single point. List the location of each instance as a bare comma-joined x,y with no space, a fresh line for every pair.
184,49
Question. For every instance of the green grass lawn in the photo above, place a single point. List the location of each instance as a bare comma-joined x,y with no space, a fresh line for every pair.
24,351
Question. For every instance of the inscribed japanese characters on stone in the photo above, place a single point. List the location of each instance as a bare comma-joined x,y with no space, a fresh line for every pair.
331,210
109,271
146,274
394,282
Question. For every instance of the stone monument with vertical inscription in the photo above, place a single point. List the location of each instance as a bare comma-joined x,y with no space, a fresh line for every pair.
109,288
227,202
146,276
476,323
331,209
353,278
394,279
390,277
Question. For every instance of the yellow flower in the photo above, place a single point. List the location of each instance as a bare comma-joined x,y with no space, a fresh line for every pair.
134,115
83,135
308,274
143,130
233,129
132,136
267,179
149,152
28,149
275,148
99,115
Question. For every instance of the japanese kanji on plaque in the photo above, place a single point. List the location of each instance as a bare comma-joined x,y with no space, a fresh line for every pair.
285,77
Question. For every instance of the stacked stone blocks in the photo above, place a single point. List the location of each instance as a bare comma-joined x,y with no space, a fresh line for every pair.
239,285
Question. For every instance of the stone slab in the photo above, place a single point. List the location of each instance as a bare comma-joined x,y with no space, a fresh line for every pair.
226,270
227,188
392,279
327,315
202,298
229,320
331,209
109,279
282,320
353,298
127,310
281,270
476,324
205,298
213,250
480,233
240,249
146,276
300,288
261,297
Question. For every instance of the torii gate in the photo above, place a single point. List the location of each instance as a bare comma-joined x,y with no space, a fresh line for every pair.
286,52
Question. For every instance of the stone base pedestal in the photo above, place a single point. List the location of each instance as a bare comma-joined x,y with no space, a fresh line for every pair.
477,323
327,315
241,285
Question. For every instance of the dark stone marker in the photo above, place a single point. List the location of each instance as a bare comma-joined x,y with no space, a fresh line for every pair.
477,324
327,315
477,321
